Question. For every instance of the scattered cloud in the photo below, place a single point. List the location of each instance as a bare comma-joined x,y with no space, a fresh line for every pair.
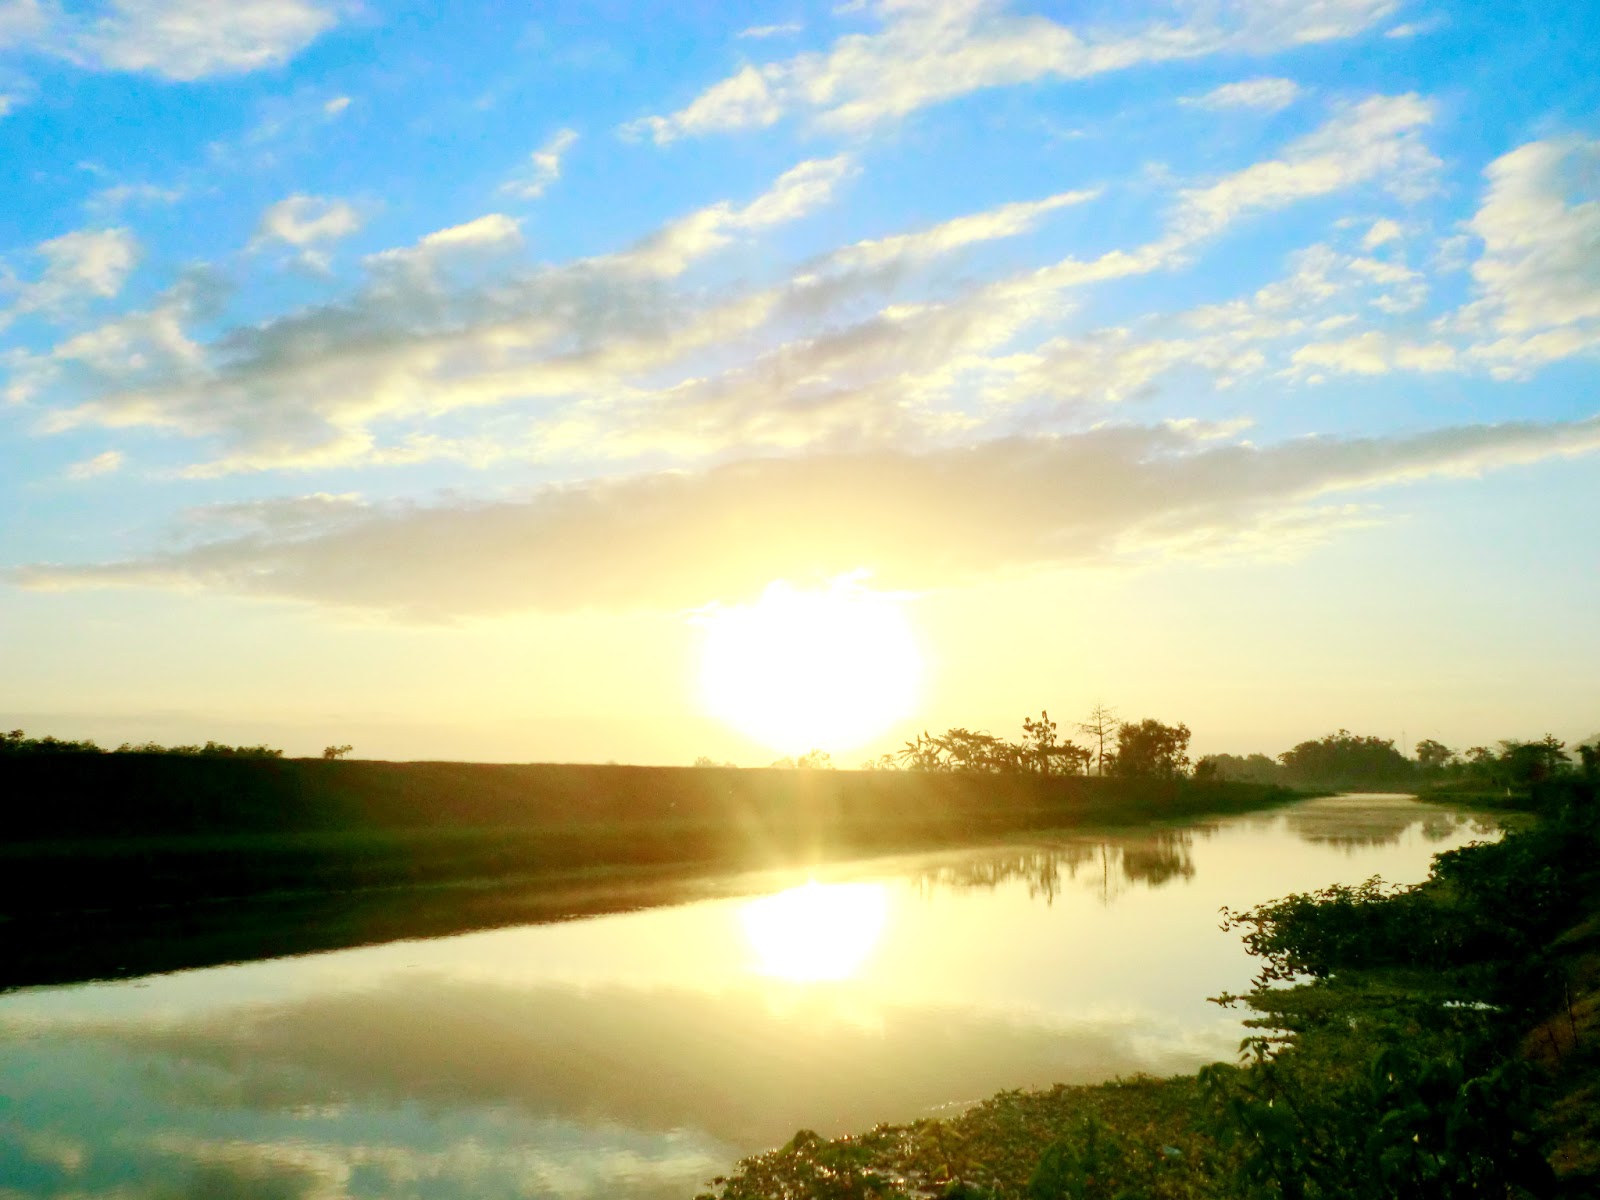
769,31
84,265
915,520
1411,29
936,50
1373,140
1382,233
1373,353
494,232
582,346
195,39
1536,283
336,106
1265,94
544,169
101,464
113,199
1540,228
23,23
1004,221
306,389
307,224
671,249
127,350
493,229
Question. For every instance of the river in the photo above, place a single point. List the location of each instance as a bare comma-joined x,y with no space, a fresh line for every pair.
636,1055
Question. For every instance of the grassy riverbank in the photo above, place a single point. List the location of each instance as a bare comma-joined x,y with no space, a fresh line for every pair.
124,863
1439,1041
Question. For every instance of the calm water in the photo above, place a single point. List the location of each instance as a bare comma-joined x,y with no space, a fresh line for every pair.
636,1055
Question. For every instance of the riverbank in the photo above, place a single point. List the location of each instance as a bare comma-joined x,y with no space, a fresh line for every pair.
1441,1041
128,863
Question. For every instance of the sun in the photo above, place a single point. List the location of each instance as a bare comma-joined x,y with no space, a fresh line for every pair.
798,670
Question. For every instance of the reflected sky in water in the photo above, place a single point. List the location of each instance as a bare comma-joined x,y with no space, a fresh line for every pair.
636,1055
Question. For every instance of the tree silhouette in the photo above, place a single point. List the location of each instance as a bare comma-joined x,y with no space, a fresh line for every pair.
1151,750
961,749
1101,730
1433,755
1347,759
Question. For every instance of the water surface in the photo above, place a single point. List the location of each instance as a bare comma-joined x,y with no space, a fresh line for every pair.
639,1054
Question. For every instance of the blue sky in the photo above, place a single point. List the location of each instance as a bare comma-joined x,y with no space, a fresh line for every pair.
474,335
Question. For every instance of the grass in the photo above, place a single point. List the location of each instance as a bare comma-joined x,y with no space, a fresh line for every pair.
1005,1148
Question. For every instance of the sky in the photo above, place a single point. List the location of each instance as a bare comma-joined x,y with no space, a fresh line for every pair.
445,379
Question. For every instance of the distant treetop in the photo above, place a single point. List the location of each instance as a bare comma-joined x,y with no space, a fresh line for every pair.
18,742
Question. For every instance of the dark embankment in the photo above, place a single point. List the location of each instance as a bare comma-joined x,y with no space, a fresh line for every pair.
129,863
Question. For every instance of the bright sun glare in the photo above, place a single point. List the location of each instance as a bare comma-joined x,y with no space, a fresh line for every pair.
800,670
817,931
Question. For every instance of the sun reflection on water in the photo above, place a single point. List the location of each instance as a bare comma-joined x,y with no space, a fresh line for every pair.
816,931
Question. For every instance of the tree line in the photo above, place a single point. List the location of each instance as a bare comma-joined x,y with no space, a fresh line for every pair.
1353,760
1143,749
18,742
1152,749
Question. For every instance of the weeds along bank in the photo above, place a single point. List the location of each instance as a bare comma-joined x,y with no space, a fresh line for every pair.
1438,1041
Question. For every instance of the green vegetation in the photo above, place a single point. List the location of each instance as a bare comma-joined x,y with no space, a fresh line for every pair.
1436,1041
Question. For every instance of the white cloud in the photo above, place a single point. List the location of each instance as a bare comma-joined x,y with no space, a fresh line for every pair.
87,264
1540,227
768,31
194,39
1537,282
671,249
915,521
101,464
493,229
117,196
575,343
493,235
307,223
23,22
544,169
129,349
1375,140
931,51
743,101
1411,29
1004,221
1265,94
95,262
1519,356
1374,353
8,104
1382,233
418,342
336,106
302,221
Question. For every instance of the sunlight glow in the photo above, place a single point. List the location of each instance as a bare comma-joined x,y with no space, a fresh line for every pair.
817,931
802,670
